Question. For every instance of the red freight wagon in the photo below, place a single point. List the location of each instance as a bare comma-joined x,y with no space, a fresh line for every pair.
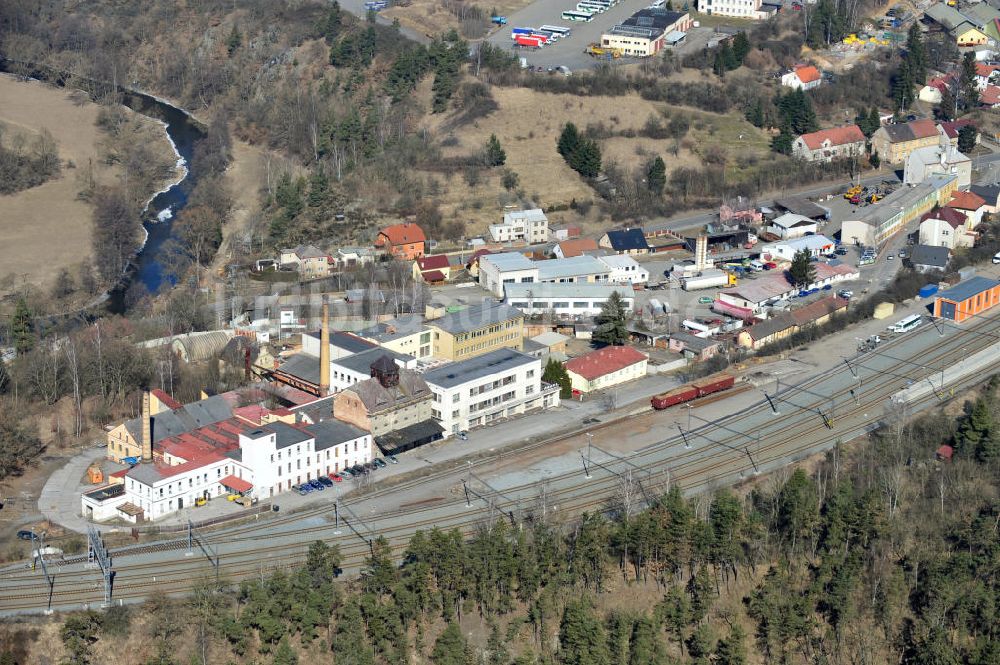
714,384
675,396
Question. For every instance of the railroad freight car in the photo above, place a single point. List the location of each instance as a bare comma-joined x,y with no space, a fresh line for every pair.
675,396
693,390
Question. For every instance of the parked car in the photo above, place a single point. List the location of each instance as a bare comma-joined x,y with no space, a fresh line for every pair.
392,459
705,300
845,294
326,481
463,435
316,485
770,265
996,258
840,251
346,473
336,477
24,534
357,470
890,257
379,464
827,287
304,489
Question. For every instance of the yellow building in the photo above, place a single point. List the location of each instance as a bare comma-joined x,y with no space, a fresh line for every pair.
476,330
894,143
405,334
646,32
968,35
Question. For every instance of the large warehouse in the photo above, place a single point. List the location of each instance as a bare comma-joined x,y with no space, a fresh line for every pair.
644,33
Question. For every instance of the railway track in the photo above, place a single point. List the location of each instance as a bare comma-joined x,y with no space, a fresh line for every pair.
782,439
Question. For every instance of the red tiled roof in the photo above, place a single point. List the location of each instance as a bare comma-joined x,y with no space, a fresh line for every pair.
966,201
817,310
234,483
990,96
434,276
807,73
984,70
577,246
923,128
165,399
401,234
434,262
604,361
252,413
836,135
947,214
950,129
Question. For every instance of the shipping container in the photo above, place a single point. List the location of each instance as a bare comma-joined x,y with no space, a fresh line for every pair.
928,290
672,397
714,384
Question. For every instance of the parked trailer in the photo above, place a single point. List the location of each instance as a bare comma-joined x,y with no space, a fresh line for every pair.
672,397
525,41
556,30
514,32
706,280
544,39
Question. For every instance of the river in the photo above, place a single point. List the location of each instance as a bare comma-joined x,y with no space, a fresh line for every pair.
157,219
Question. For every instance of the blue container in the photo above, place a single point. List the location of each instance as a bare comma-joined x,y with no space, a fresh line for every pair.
928,290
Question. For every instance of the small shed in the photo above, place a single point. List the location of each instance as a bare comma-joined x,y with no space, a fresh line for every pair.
944,453
94,475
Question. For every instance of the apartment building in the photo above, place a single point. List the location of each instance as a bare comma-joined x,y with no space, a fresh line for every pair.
530,226
476,330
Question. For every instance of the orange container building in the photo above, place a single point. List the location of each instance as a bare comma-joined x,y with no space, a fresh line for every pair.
967,299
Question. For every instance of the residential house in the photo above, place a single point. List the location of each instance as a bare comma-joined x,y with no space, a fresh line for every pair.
310,261
404,241
574,247
393,399
925,258
567,232
829,144
530,226
894,142
751,9
693,347
493,386
787,249
971,205
802,77
934,91
945,227
626,241
943,159
565,299
606,368
350,257
790,226
433,269
476,330
951,128
496,271
625,270
990,97
990,195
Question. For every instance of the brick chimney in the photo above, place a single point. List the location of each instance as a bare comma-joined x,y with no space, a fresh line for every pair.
147,429
324,349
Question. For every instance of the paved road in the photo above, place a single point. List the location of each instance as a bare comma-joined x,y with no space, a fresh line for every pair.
751,439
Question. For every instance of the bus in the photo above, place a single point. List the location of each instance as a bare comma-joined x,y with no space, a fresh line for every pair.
551,36
907,324
573,15
589,7
556,30
607,4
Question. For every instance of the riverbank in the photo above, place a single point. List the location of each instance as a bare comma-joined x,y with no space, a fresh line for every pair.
49,227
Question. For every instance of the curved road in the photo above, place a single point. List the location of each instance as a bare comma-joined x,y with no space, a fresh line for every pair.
831,406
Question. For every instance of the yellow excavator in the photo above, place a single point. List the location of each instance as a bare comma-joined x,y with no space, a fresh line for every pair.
852,192
598,51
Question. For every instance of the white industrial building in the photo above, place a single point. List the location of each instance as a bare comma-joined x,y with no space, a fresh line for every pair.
791,225
574,269
624,269
565,299
498,270
531,226
498,384
787,249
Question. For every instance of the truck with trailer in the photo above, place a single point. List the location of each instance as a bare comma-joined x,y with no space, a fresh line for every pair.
706,280
527,41
514,32
693,390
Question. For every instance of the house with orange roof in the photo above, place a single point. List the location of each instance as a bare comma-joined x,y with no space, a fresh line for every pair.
971,205
432,269
574,247
404,241
945,227
829,144
802,77
607,367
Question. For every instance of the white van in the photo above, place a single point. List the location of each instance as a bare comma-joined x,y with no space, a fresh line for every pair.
996,258
757,266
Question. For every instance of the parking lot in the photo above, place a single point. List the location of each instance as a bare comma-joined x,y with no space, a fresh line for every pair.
569,51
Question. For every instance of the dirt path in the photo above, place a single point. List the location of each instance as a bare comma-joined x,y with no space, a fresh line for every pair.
47,228
245,177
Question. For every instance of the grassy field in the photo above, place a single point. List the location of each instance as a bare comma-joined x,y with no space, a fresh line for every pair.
47,228
431,17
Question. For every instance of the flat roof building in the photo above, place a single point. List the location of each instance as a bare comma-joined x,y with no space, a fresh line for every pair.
645,33
565,299
879,222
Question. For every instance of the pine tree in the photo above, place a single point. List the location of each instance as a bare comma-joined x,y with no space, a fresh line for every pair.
782,143
902,86
284,655
948,107
494,153
701,644
875,160
587,159
497,650
874,120
802,271
916,55
611,329
975,427
581,636
656,175
731,650
741,46
967,138
556,373
21,328
234,41
967,82
449,649
569,141
755,114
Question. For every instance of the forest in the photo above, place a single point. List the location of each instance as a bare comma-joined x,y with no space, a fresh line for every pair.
876,553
